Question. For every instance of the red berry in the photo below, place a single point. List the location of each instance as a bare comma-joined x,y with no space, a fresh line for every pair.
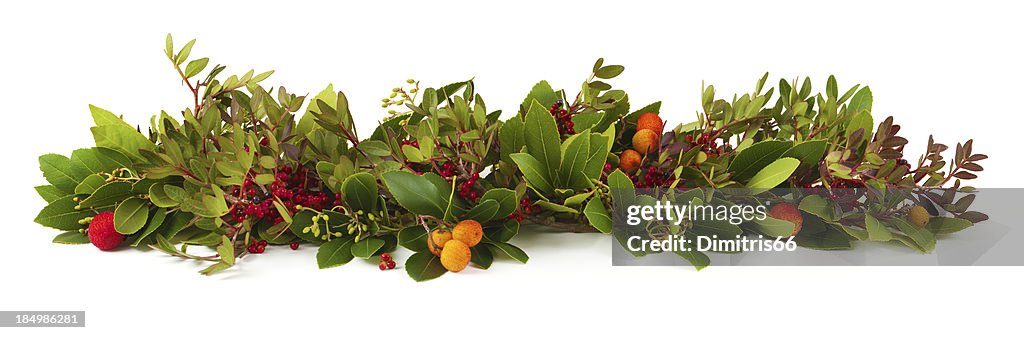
391,264
385,257
101,231
383,266
294,245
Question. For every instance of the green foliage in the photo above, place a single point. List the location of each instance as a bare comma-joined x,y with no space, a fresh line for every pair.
440,156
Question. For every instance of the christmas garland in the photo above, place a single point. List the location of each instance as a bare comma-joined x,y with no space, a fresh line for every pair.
248,166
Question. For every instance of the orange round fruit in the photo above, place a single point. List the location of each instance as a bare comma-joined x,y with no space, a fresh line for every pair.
646,141
629,160
650,121
787,212
469,232
919,216
438,238
455,256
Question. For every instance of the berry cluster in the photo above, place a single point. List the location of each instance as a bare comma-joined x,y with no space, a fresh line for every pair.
257,247
705,143
525,207
466,188
300,187
386,262
653,177
408,142
563,118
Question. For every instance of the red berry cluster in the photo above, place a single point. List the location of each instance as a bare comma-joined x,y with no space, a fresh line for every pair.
653,177
300,187
705,142
466,188
447,170
525,207
408,142
257,247
563,118
386,262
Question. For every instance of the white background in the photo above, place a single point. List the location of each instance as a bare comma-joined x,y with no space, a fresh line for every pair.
951,69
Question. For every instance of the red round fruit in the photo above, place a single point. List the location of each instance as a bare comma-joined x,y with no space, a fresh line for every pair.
294,245
391,264
383,266
101,232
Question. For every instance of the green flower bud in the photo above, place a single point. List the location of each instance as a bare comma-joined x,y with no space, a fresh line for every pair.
410,81
395,89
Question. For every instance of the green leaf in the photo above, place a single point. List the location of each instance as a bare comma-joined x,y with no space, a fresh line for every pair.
482,257
61,214
575,153
817,206
49,193
414,238
542,139
416,193
610,71
108,194
161,195
505,232
125,140
510,250
154,223
598,215
511,138
757,156
543,94
184,52
861,102
114,133
360,190
810,153
484,211
195,66
71,237
774,227
876,230
424,266
830,239
599,146
506,199
947,225
622,189
860,120
335,252
772,175
226,251
555,207
922,239
375,148
90,184
130,216
58,171
536,175
364,249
